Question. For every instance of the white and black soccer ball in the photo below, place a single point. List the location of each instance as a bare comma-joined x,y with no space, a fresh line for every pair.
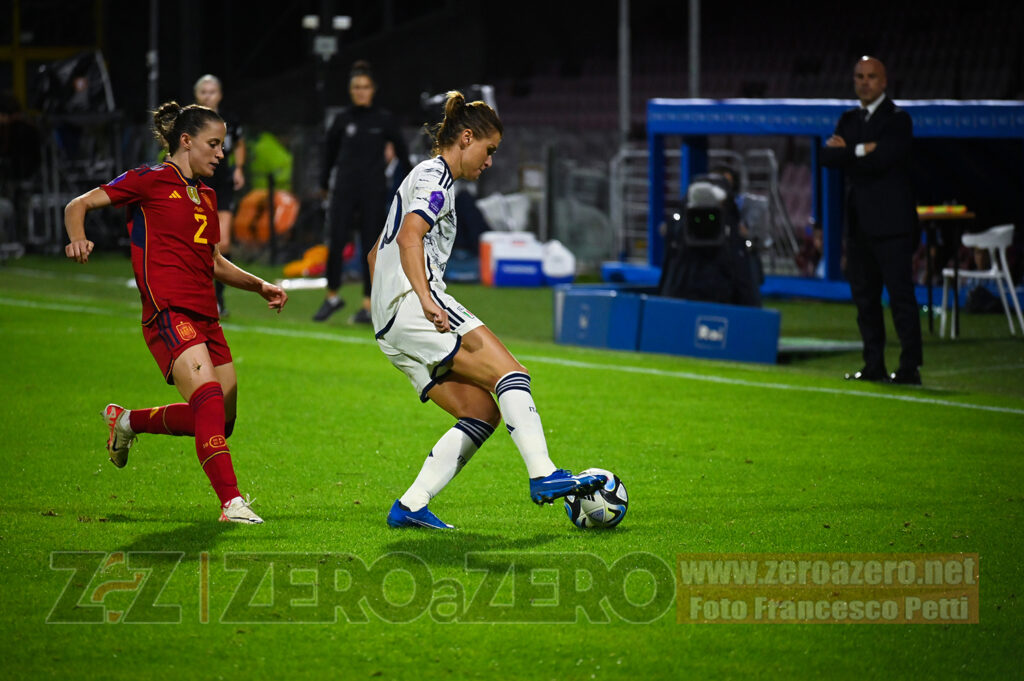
604,508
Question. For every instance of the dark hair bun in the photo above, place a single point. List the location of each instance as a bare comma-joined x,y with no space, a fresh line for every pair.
171,119
164,119
361,68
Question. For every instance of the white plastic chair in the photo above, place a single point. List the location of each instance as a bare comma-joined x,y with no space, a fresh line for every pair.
995,241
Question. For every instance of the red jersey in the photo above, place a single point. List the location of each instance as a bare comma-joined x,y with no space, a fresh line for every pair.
173,225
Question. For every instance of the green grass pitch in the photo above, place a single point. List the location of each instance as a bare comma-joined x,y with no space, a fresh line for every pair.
111,573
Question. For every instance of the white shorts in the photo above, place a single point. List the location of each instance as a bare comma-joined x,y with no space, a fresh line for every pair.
416,348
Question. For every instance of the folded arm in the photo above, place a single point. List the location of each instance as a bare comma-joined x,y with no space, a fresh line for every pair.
891,147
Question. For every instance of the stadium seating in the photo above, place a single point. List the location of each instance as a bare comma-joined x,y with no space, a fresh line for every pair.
933,52
938,51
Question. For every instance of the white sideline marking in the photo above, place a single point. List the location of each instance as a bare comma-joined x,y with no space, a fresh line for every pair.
685,375
266,330
69,276
58,307
772,386
296,333
974,370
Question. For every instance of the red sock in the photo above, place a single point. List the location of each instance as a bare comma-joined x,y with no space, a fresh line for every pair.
207,404
171,419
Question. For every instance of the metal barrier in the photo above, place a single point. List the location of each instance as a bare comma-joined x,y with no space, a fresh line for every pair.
628,191
758,172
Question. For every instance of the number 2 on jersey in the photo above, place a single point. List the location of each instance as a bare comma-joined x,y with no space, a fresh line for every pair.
201,219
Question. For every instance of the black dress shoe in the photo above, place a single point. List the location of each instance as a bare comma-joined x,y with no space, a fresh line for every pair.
865,375
361,317
327,308
906,377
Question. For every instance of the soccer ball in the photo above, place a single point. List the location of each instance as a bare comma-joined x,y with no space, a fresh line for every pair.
604,508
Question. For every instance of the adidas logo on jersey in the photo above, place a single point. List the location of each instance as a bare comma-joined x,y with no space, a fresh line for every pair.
174,195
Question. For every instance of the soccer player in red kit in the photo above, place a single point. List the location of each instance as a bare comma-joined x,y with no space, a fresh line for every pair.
172,222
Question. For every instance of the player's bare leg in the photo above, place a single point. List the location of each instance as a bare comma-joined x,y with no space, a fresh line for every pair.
477,417
483,359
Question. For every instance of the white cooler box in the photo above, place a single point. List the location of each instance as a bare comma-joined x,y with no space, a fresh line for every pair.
511,259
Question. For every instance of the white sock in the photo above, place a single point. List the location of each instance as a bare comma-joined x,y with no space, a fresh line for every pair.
523,422
332,298
125,421
453,451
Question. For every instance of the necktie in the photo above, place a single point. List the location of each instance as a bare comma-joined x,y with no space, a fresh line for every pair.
864,115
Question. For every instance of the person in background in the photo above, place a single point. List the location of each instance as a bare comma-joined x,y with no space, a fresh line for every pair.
871,144
227,179
355,152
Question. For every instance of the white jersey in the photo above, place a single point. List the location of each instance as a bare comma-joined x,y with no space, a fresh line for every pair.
426,191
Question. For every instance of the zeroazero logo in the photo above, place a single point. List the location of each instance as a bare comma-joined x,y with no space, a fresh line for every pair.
494,587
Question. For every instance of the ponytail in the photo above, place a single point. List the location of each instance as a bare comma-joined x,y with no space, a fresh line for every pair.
170,120
477,116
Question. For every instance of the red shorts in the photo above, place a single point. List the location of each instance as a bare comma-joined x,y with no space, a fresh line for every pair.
175,331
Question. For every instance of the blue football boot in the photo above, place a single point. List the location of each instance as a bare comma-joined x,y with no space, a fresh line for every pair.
400,516
561,483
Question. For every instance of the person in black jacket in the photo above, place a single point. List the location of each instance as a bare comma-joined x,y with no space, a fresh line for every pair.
871,144
354,151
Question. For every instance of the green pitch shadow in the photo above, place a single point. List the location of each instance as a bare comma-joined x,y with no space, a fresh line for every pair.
192,539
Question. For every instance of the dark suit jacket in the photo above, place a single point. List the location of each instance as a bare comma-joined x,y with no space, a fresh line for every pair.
879,192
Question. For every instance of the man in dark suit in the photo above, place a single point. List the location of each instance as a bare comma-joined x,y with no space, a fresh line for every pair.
871,144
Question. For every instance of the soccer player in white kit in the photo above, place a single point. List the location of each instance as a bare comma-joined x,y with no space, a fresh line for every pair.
447,353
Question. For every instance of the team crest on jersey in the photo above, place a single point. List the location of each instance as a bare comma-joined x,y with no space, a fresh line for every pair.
193,194
436,202
186,331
